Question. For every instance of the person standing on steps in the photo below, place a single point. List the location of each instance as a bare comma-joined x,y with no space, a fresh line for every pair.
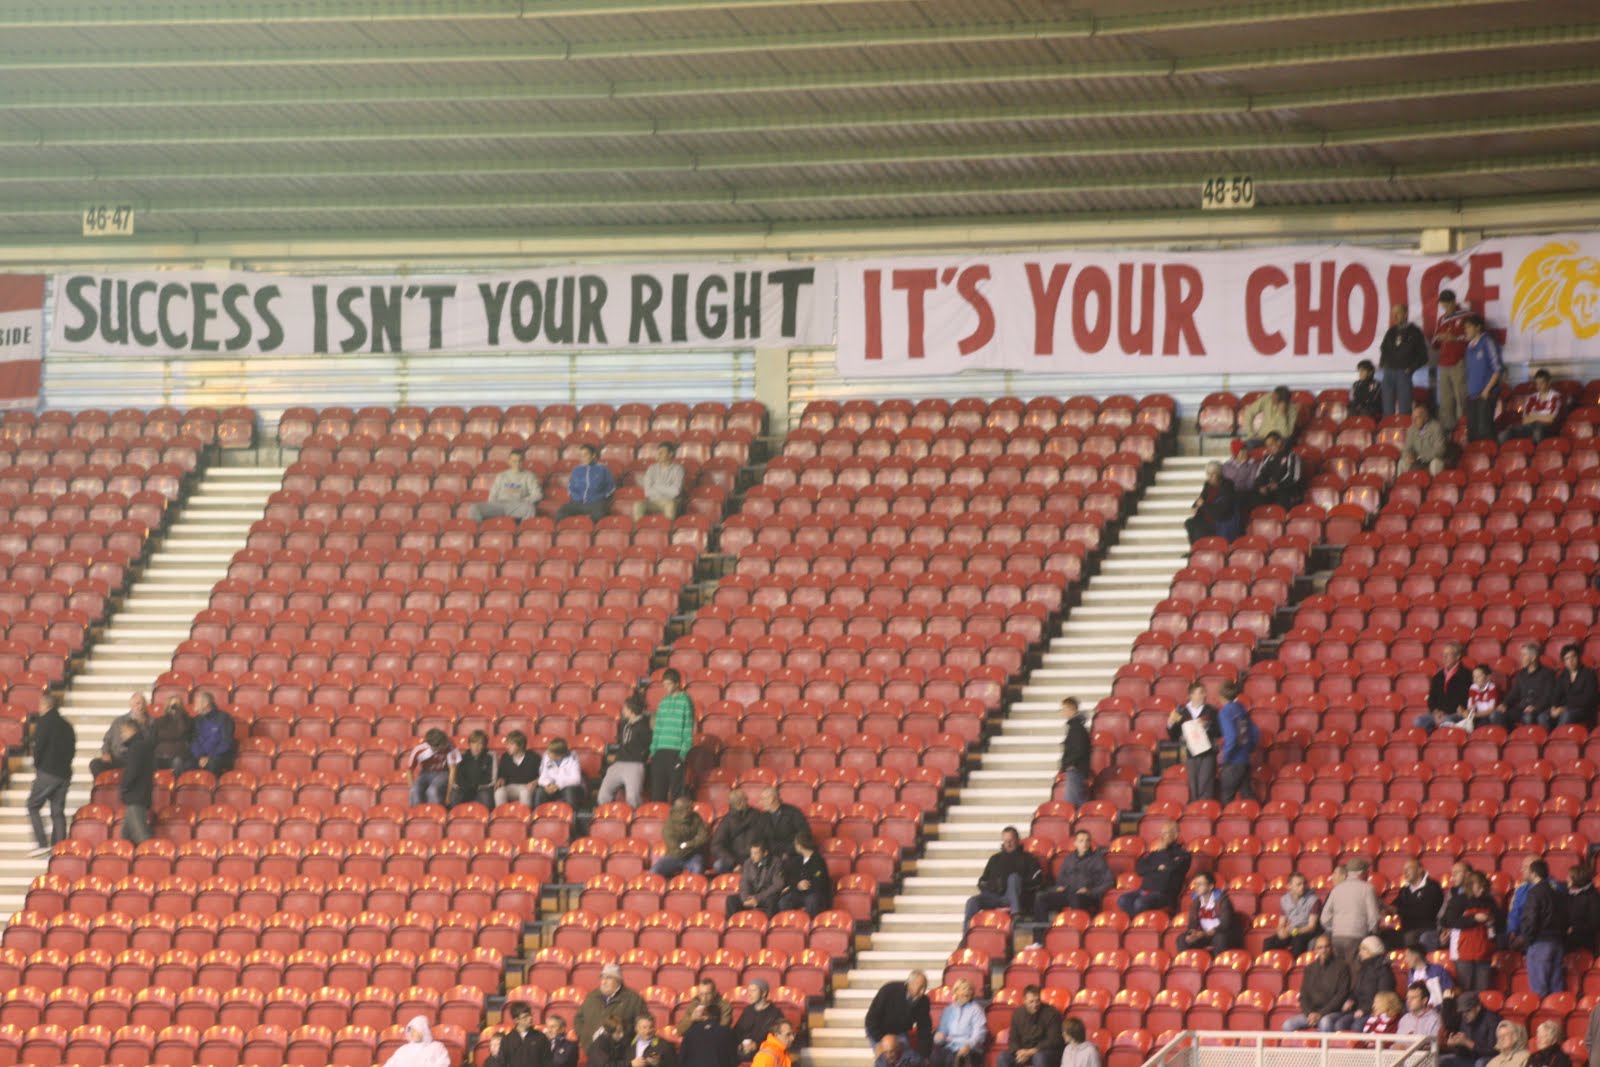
672,735
1194,726
1240,738
55,743
138,783
1076,754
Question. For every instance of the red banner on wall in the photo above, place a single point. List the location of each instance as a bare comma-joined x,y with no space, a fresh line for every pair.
1264,311
21,339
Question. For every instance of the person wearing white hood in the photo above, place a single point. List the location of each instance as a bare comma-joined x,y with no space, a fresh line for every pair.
420,1049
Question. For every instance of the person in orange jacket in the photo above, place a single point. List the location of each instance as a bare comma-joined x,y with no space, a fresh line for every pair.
774,1051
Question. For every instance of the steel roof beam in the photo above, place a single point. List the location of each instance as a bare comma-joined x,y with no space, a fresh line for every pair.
1212,104
688,163
922,191
784,81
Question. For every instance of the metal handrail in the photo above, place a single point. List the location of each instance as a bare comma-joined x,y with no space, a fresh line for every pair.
1388,1050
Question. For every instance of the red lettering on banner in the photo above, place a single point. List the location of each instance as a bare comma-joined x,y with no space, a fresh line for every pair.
1045,298
1353,338
983,332
1434,279
1267,342
916,284
1309,315
1480,291
1140,339
1091,337
1181,290
1399,285
872,314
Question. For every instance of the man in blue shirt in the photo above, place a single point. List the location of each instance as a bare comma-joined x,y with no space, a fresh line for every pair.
1239,740
1485,371
589,487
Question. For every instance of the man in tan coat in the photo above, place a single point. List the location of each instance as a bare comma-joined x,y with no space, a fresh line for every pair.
1352,910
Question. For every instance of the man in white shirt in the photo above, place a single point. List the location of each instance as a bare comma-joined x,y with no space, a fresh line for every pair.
663,485
1420,1019
560,775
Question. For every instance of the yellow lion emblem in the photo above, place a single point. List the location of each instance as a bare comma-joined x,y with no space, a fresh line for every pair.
1554,285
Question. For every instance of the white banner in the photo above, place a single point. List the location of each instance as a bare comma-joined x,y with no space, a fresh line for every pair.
609,307
1273,311
21,340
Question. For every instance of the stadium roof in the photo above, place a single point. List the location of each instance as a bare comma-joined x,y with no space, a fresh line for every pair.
425,119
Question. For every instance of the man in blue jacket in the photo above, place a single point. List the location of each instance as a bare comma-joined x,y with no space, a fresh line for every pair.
213,748
1239,740
589,487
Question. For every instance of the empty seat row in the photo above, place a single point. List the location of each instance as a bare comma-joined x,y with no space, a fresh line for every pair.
298,423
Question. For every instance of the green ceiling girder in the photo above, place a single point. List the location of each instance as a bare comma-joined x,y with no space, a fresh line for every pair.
1397,49
1029,186
273,12
505,51
683,162
1210,104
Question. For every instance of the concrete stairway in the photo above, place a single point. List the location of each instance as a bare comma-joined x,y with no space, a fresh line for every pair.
138,644
921,926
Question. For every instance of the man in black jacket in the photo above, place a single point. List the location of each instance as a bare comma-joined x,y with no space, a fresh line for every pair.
1082,880
1531,693
629,756
1163,872
1280,479
1583,910
1009,879
1447,690
785,822
707,1041
1402,353
475,774
807,886
1577,690
55,743
1035,1034
1417,903
1544,926
523,1046
563,1050
735,832
760,883
1471,1039
1075,755
138,783
1324,988
900,1008
757,1020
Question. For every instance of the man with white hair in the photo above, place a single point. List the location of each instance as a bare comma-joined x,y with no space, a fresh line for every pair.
1373,975
1352,911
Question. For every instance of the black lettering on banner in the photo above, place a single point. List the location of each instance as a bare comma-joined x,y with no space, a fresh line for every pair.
711,319
646,300
345,302
791,281
274,335
200,295
435,296
89,320
319,318
680,307
232,296
527,311
169,337
746,304
558,330
385,316
114,299
591,309
142,337
494,300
